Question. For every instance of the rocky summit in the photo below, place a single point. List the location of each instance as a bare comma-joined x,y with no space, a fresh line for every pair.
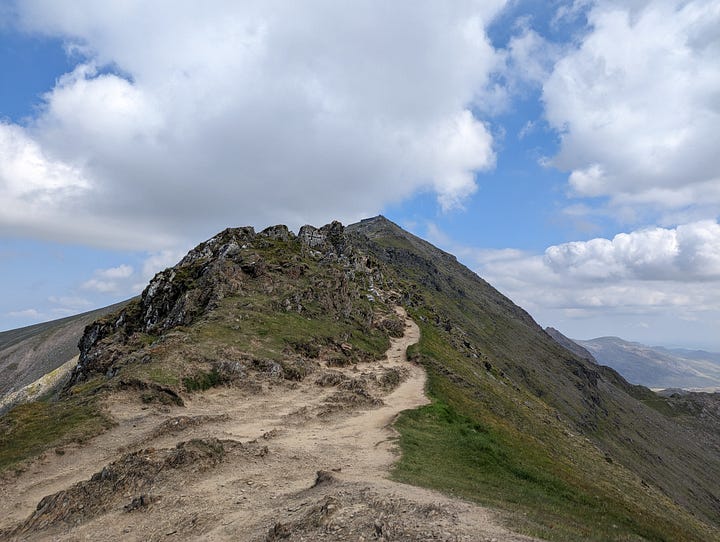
347,383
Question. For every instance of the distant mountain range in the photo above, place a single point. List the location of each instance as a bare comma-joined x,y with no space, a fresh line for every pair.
651,366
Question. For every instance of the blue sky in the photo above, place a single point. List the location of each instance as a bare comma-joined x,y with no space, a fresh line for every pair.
566,151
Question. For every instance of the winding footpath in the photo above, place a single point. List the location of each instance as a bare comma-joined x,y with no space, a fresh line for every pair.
302,462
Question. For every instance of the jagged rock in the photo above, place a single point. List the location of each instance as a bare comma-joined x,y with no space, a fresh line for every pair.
311,236
329,238
279,232
334,235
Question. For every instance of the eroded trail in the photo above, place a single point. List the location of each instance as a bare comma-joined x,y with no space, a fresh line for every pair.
301,461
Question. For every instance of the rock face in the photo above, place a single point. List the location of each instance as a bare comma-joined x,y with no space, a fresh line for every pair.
329,239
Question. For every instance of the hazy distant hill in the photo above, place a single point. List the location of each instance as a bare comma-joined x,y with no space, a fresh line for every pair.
656,367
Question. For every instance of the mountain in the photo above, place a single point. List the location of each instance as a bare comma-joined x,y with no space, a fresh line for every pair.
247,395
702,355
657,367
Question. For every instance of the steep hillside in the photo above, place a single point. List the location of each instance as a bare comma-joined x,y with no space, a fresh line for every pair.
28,353
571,345
253,362
555,433
656,367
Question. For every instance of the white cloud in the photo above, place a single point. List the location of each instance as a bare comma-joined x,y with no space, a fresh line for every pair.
258,110
69,303
101,286
113,280
122,271
530,57
637,105
30,179
126,280
47,195
31,314
668,278
689,252
459,147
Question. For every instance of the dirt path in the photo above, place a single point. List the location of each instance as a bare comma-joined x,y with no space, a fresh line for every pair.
301,461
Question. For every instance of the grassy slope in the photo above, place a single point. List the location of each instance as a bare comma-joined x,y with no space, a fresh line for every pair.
485,440
30,429
523,424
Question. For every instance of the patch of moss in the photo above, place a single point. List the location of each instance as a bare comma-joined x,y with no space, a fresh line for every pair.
203,381
163,376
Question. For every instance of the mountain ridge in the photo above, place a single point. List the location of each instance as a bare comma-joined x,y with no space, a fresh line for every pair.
656,367
517,421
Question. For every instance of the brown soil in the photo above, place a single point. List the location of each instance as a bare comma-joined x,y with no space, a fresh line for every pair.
296,461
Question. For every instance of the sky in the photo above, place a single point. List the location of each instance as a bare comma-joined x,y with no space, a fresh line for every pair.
566,151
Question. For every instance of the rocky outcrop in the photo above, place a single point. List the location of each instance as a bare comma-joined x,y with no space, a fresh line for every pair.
328,239
280,232
236,262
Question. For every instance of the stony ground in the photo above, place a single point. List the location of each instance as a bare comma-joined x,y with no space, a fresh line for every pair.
296,461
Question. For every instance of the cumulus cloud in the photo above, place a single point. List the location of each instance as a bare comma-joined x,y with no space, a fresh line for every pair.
669,273
654,285
636,104
125,279
120,272
263,112
111,280
529,57
31,180
31,314
689,252
48,195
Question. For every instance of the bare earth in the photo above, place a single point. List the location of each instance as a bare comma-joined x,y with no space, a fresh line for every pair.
255,474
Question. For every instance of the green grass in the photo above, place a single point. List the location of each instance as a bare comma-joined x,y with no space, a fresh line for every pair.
447,451
374,342
163,376
32,428
476,441
249,325
202,381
